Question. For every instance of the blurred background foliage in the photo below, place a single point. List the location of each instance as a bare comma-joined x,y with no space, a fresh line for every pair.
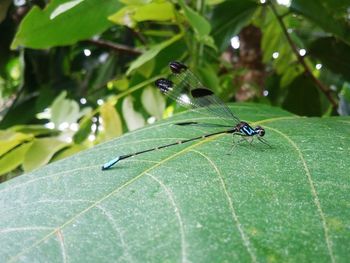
77,73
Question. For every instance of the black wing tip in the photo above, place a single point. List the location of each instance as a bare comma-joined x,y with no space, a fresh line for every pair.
164,84
186,123
177,67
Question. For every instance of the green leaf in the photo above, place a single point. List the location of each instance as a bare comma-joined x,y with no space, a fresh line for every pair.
84,129
72,149
200,25
190,202
320,13
57,25
274,40
229,18
151,53
10,139
133,119
303,97
14,158
132,14
22,113
4,5
334,54
111,122
153,102
64,8
41,152
344,100
34,129
208,74
66,110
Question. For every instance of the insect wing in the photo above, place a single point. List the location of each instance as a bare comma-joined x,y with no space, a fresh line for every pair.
185,88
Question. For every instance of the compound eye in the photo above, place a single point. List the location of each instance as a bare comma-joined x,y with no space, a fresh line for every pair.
260,131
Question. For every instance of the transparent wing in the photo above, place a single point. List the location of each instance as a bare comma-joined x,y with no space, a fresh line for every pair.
185,88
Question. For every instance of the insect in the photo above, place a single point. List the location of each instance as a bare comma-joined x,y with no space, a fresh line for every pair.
187,90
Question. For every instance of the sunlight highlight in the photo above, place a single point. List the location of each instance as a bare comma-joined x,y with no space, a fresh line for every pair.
235,42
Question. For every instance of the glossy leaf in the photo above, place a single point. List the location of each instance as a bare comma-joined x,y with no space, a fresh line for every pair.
334,54
40,29
229,18
303,97
64,8
191,202
322,16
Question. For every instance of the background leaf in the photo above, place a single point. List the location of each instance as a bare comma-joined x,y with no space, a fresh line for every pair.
13,158
112,123
151,53
336,57
4,5
133,119
200,25
303,97
10,139
132,14
229,18
153,102
41,151
320,13
64,8
190,202
38,30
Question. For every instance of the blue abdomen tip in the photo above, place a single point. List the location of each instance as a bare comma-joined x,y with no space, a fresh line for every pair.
110,163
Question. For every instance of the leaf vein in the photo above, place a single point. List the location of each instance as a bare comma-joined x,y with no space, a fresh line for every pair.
61,242
111,220
178,215
234,215
313,192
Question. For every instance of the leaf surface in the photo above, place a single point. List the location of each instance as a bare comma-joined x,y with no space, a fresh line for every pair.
191,202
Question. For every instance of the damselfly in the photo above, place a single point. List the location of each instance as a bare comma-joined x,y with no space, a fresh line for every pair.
185,88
